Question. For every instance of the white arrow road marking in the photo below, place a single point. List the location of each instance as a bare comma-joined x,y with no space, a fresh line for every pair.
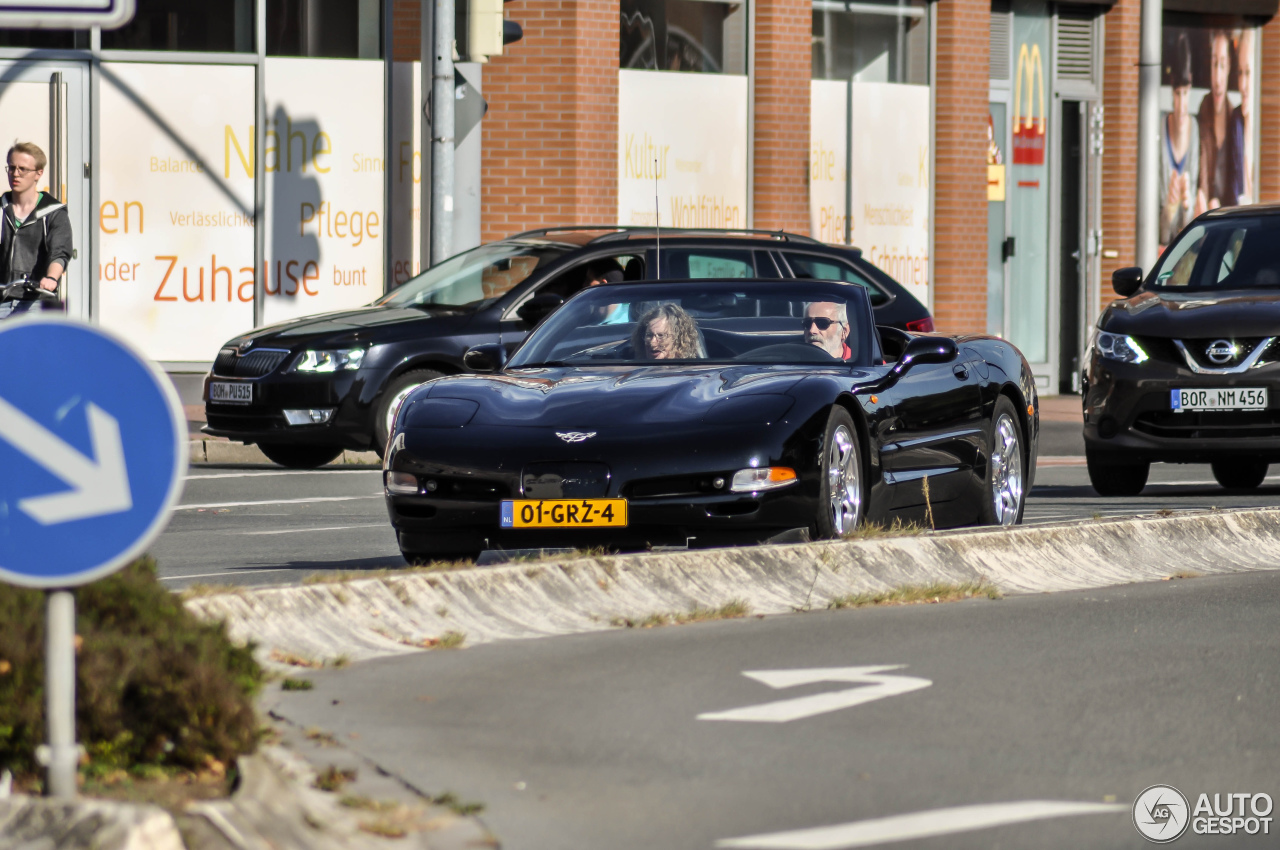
877,686
865,833
98,487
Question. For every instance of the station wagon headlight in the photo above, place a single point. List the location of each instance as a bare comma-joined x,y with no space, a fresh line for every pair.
764,478
330,361
1120,347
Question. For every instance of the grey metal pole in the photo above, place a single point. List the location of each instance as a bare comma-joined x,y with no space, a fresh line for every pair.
60,692
1148,218
442,134
427,51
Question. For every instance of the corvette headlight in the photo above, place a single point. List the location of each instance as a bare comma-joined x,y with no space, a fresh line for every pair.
1119,347
330,361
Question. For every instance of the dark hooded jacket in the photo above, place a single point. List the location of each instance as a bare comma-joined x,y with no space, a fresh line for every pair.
27,248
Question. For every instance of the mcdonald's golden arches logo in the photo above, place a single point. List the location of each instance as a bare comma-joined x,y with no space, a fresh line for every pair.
1028,126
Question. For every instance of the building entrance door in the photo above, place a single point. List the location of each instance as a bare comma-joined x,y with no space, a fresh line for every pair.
46,102
1079,235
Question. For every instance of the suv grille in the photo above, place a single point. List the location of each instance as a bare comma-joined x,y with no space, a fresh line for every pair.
1209,425
1197,349
255,364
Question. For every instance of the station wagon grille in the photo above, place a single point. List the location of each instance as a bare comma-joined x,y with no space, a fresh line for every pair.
255,364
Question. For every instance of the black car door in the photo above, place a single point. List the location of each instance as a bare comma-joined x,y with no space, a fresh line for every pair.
933,432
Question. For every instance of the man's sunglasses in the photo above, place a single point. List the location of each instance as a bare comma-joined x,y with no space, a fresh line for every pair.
820,322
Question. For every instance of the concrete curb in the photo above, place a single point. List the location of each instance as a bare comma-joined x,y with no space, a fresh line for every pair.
229,452
367,618
28,823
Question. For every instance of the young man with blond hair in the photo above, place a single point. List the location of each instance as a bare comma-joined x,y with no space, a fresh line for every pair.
35,230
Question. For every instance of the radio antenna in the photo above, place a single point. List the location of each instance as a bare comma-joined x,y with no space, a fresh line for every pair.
657,228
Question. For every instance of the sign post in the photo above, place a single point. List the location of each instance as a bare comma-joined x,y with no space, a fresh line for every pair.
93,448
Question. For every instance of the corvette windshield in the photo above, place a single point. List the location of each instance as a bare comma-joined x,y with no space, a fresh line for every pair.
1225,253
473,279
706,322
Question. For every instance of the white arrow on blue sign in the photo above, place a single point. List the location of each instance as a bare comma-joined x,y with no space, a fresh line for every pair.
92,452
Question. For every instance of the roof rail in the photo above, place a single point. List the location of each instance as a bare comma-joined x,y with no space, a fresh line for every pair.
621,230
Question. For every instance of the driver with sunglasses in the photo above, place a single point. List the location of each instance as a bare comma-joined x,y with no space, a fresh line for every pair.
826,325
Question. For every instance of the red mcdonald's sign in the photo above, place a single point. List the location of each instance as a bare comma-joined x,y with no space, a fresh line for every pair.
1028,128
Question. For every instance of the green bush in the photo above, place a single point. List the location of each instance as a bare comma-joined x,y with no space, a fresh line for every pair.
154,685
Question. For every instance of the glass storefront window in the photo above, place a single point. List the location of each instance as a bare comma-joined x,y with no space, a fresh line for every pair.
683,35
224,26
871,42
333,29
45,39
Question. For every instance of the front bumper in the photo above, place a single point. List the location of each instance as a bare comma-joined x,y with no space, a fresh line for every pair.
1128,413
351,394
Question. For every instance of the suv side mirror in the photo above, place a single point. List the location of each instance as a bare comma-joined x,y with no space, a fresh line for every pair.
539,307
1126,281
489,357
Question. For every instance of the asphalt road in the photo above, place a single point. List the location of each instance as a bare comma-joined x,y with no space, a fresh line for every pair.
249,525
593,741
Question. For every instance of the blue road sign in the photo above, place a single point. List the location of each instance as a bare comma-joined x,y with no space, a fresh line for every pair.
93,452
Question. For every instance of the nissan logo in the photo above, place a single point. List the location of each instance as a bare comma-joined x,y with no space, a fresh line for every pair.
1220,351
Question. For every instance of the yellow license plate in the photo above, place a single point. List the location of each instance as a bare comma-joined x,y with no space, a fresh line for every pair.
564,513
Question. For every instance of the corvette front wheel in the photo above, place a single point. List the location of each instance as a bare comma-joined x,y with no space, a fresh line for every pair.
841,501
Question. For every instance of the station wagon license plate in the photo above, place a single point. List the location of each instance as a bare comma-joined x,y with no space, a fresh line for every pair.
564,513
228,393
1219,398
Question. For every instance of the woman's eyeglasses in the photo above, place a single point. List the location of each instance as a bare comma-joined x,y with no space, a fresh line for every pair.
820,322
660,338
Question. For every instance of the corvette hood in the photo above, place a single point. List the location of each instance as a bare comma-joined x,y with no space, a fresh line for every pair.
580,398
1195,315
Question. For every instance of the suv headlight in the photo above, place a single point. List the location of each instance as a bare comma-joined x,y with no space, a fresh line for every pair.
330,361
1119,347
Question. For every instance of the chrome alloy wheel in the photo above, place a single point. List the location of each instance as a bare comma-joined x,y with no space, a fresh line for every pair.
844,481
1006,471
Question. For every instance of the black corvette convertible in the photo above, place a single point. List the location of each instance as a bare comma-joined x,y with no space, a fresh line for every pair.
696,413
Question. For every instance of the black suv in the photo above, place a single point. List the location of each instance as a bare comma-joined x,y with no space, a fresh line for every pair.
307,389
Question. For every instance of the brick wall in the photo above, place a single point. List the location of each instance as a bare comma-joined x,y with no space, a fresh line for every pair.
406,39
784,32
1120,143
1267,83
551,133
960,156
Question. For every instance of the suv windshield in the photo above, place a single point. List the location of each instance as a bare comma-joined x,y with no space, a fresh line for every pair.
1225,253
476,278
706,322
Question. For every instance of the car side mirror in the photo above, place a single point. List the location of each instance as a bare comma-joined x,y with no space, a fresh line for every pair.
539,307
920,350
1126,281
489,357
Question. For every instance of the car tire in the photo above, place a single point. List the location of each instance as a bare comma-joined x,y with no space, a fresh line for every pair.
841,486
1111,476
299,457
1239,474
1005,491
389,402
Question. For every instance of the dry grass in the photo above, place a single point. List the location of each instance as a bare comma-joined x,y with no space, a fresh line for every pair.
873,530
916,594
448,640
198,590
292,684
1186,574
321,737
730,610
333,778
367,804
294,660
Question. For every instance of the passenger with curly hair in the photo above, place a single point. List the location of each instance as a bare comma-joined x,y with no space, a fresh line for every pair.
666,332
